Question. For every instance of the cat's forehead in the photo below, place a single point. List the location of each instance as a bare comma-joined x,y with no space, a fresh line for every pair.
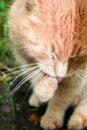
55,10
59,24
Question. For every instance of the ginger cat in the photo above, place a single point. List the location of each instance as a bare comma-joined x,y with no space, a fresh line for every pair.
50,39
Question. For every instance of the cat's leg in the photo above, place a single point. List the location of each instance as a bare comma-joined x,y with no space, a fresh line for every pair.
54,115
78,119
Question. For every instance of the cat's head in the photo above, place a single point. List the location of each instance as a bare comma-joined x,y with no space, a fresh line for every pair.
54,34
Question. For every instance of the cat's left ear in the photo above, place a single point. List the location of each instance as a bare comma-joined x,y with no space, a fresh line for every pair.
30,4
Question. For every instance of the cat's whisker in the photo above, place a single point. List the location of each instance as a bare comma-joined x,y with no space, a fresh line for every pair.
84,72
33,83
37,79
24,72
73,80
20,67
81,74
28,77
15,72
78,75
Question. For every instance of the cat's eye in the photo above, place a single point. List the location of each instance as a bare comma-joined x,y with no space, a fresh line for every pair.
53,56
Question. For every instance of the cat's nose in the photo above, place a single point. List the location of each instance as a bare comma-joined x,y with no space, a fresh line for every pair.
59,79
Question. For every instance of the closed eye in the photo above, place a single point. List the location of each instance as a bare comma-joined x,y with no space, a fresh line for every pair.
53,56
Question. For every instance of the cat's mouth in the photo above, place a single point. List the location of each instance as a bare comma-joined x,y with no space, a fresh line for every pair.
59,79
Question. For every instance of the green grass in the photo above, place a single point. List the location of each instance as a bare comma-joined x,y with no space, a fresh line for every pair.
5,44
6,50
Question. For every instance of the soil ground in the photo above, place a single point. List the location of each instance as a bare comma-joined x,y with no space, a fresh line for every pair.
26,117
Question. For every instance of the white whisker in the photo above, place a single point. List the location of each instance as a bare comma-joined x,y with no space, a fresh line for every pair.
27,71
33,83
73,80
17,71
81,74
82,71
78,75
18,67
28,77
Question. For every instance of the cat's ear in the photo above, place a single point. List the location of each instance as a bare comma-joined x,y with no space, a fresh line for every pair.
34,2
30,4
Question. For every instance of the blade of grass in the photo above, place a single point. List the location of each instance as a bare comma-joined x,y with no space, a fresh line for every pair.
11,99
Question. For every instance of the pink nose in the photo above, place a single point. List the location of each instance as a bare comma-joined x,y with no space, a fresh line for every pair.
59,79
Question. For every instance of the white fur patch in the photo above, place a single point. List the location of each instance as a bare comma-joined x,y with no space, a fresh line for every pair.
34,18
61,70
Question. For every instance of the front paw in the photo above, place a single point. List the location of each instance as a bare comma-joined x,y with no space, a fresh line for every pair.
51,123
77,122
34,101
45,89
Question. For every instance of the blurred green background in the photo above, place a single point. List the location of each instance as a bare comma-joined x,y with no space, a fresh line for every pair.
6,50
5,44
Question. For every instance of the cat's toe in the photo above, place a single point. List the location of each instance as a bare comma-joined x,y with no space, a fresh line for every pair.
77,122
34,101
50,123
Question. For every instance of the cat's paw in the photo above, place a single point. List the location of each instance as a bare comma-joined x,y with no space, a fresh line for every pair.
77,122
51,123
34,101
46,88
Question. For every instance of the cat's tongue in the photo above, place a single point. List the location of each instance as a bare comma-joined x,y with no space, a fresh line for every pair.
59,79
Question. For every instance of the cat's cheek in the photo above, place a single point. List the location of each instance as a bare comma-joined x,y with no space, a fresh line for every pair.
46,89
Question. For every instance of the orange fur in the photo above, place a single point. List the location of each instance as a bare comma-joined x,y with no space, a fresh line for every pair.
52,36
